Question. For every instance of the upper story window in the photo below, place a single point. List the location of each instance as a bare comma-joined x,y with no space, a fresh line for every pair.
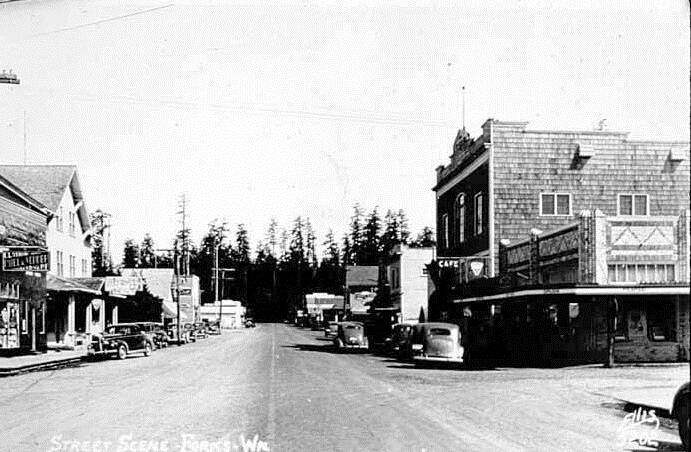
72,223
460,217
445,230
479,212
60,263
84,272
60,219
555,204
73,266
628,204
395,278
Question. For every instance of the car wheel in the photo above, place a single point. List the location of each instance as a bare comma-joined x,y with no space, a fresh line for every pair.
122,351
683,418
147,349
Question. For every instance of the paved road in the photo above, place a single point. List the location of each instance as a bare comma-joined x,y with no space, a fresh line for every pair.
286,386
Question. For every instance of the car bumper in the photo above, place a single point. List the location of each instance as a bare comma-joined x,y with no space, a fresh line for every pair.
437,359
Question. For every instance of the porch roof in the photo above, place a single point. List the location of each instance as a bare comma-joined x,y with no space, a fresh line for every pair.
59,284
583,290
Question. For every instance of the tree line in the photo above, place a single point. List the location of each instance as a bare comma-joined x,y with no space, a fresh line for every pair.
285,264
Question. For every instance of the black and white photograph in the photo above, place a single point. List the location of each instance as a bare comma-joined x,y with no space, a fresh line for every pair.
327,225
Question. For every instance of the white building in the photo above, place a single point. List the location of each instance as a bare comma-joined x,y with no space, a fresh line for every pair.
407,274
232,313
74,309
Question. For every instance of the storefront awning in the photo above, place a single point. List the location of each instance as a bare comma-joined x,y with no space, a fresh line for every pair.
64,285
583,291
170,311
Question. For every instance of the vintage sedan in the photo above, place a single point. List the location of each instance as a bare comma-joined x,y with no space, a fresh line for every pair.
400,338
331,329
156,332
437,342
186,335
120,340
351,335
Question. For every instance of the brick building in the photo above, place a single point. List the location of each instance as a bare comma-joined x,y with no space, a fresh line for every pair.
513,186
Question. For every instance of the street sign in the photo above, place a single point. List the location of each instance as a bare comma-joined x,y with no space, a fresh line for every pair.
20,261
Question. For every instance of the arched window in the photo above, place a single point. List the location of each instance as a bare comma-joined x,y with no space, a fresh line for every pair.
460,218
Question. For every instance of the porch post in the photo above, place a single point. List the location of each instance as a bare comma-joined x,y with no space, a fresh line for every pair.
70,314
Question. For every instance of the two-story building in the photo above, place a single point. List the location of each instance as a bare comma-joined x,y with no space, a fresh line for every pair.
406,272
23,266
512,185
73,309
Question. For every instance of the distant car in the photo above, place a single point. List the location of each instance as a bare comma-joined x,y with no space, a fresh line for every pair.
249,323
400,337
185,333
437,342
156,332
680,410
199,330
331,329
213,327
120,340
351,335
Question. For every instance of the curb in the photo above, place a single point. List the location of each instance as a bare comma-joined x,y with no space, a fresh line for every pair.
48,365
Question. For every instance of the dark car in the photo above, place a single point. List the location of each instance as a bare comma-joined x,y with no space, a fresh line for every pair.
680,410
213,327
331,329
351,335
199,330
400,339
156,332
249,323
120,340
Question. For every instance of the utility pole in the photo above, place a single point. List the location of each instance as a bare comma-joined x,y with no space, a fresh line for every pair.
185,261
177,291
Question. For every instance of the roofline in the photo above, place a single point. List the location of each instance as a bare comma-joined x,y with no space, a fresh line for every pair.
26,197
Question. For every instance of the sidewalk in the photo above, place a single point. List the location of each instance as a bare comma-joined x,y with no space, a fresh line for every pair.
28,363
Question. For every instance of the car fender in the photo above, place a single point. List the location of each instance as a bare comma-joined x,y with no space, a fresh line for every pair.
682,392
117,343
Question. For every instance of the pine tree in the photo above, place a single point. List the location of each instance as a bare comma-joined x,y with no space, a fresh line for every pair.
424,239
347,255
130,254
147,252
272,237
297,251
369,251
311,238
404,232
356,234
241,251
332,255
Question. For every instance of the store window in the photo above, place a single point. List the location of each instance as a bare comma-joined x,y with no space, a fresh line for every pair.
641,273
621,326
552,204
629,204
662,317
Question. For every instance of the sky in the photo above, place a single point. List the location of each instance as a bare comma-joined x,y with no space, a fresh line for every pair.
258,109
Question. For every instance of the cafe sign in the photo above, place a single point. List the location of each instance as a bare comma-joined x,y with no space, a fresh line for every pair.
20,261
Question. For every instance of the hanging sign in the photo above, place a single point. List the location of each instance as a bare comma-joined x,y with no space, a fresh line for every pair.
21,261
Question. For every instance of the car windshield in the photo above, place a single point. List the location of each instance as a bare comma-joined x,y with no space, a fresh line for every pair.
120,329
353,327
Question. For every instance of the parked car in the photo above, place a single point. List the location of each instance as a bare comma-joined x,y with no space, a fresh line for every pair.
437,342
680,410
331,329
351,335
120,340
199,330
213,327
156,332
249,323
400,337
185,333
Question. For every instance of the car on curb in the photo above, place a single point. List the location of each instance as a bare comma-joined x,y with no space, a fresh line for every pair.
213,327
351,336
680,411
199,329
437,343
331,329
120,340
156,332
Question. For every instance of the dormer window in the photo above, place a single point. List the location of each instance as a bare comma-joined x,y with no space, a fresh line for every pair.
72,223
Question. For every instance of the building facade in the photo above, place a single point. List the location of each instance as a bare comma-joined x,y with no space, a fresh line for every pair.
406,272
566,245
72,306
23,267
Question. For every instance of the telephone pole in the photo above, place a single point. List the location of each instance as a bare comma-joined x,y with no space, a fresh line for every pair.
184,237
